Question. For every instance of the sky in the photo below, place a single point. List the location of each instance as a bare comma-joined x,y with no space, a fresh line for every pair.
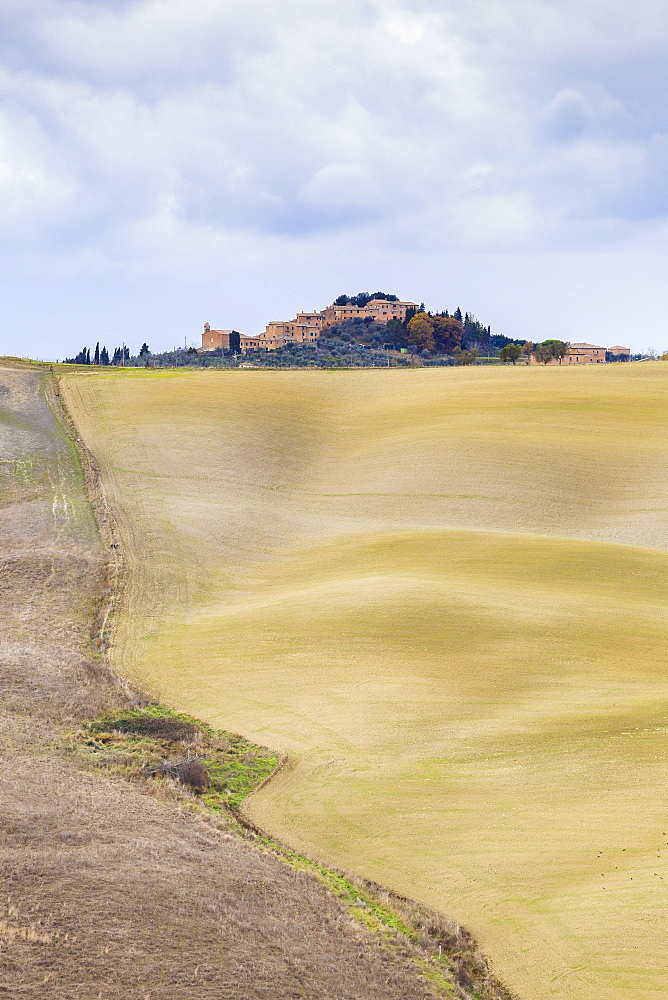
166,163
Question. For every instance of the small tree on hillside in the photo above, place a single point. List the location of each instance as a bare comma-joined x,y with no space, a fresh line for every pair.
543,354
510,353
550,349
559,348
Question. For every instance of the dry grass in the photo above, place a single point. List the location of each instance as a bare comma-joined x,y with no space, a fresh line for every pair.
443,592
121,895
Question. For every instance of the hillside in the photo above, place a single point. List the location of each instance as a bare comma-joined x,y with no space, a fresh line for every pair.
443,592
116,888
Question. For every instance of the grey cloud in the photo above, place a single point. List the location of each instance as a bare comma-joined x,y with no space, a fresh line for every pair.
152,135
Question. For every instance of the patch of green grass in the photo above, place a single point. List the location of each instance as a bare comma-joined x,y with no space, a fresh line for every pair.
133,742
363,906
445,959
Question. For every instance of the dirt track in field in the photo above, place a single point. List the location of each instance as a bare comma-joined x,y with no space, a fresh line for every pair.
107,891
444,593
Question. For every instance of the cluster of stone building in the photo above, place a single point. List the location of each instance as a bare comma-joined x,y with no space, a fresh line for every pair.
306,327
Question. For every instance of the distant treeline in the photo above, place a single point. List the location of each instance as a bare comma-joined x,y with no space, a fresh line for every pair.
100,356
362,298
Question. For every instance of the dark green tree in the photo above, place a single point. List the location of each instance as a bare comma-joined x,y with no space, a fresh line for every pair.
448,333
549,350
510,353
543,354
559,349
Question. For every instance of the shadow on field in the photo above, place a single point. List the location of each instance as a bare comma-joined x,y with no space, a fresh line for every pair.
127,889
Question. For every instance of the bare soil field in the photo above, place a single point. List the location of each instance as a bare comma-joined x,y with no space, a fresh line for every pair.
118,890
443,592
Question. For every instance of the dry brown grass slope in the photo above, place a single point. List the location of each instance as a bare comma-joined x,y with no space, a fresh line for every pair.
108,891
443,592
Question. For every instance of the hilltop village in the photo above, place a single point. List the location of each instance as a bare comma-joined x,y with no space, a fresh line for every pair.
306,327
368,330
384,322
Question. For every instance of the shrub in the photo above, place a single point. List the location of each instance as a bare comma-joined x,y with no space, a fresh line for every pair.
189,771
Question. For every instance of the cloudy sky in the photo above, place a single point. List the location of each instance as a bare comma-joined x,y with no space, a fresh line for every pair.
169,162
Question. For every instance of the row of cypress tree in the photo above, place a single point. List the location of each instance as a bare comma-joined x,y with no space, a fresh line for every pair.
101,356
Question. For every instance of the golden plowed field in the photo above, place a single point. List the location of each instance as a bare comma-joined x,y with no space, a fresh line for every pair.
444,593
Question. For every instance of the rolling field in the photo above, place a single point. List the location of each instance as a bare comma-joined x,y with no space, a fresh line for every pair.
112,886
444,593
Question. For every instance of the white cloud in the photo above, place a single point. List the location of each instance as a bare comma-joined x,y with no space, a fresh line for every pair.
156,136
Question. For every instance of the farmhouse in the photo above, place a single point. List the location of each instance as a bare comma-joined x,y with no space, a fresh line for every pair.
584,354
578,354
